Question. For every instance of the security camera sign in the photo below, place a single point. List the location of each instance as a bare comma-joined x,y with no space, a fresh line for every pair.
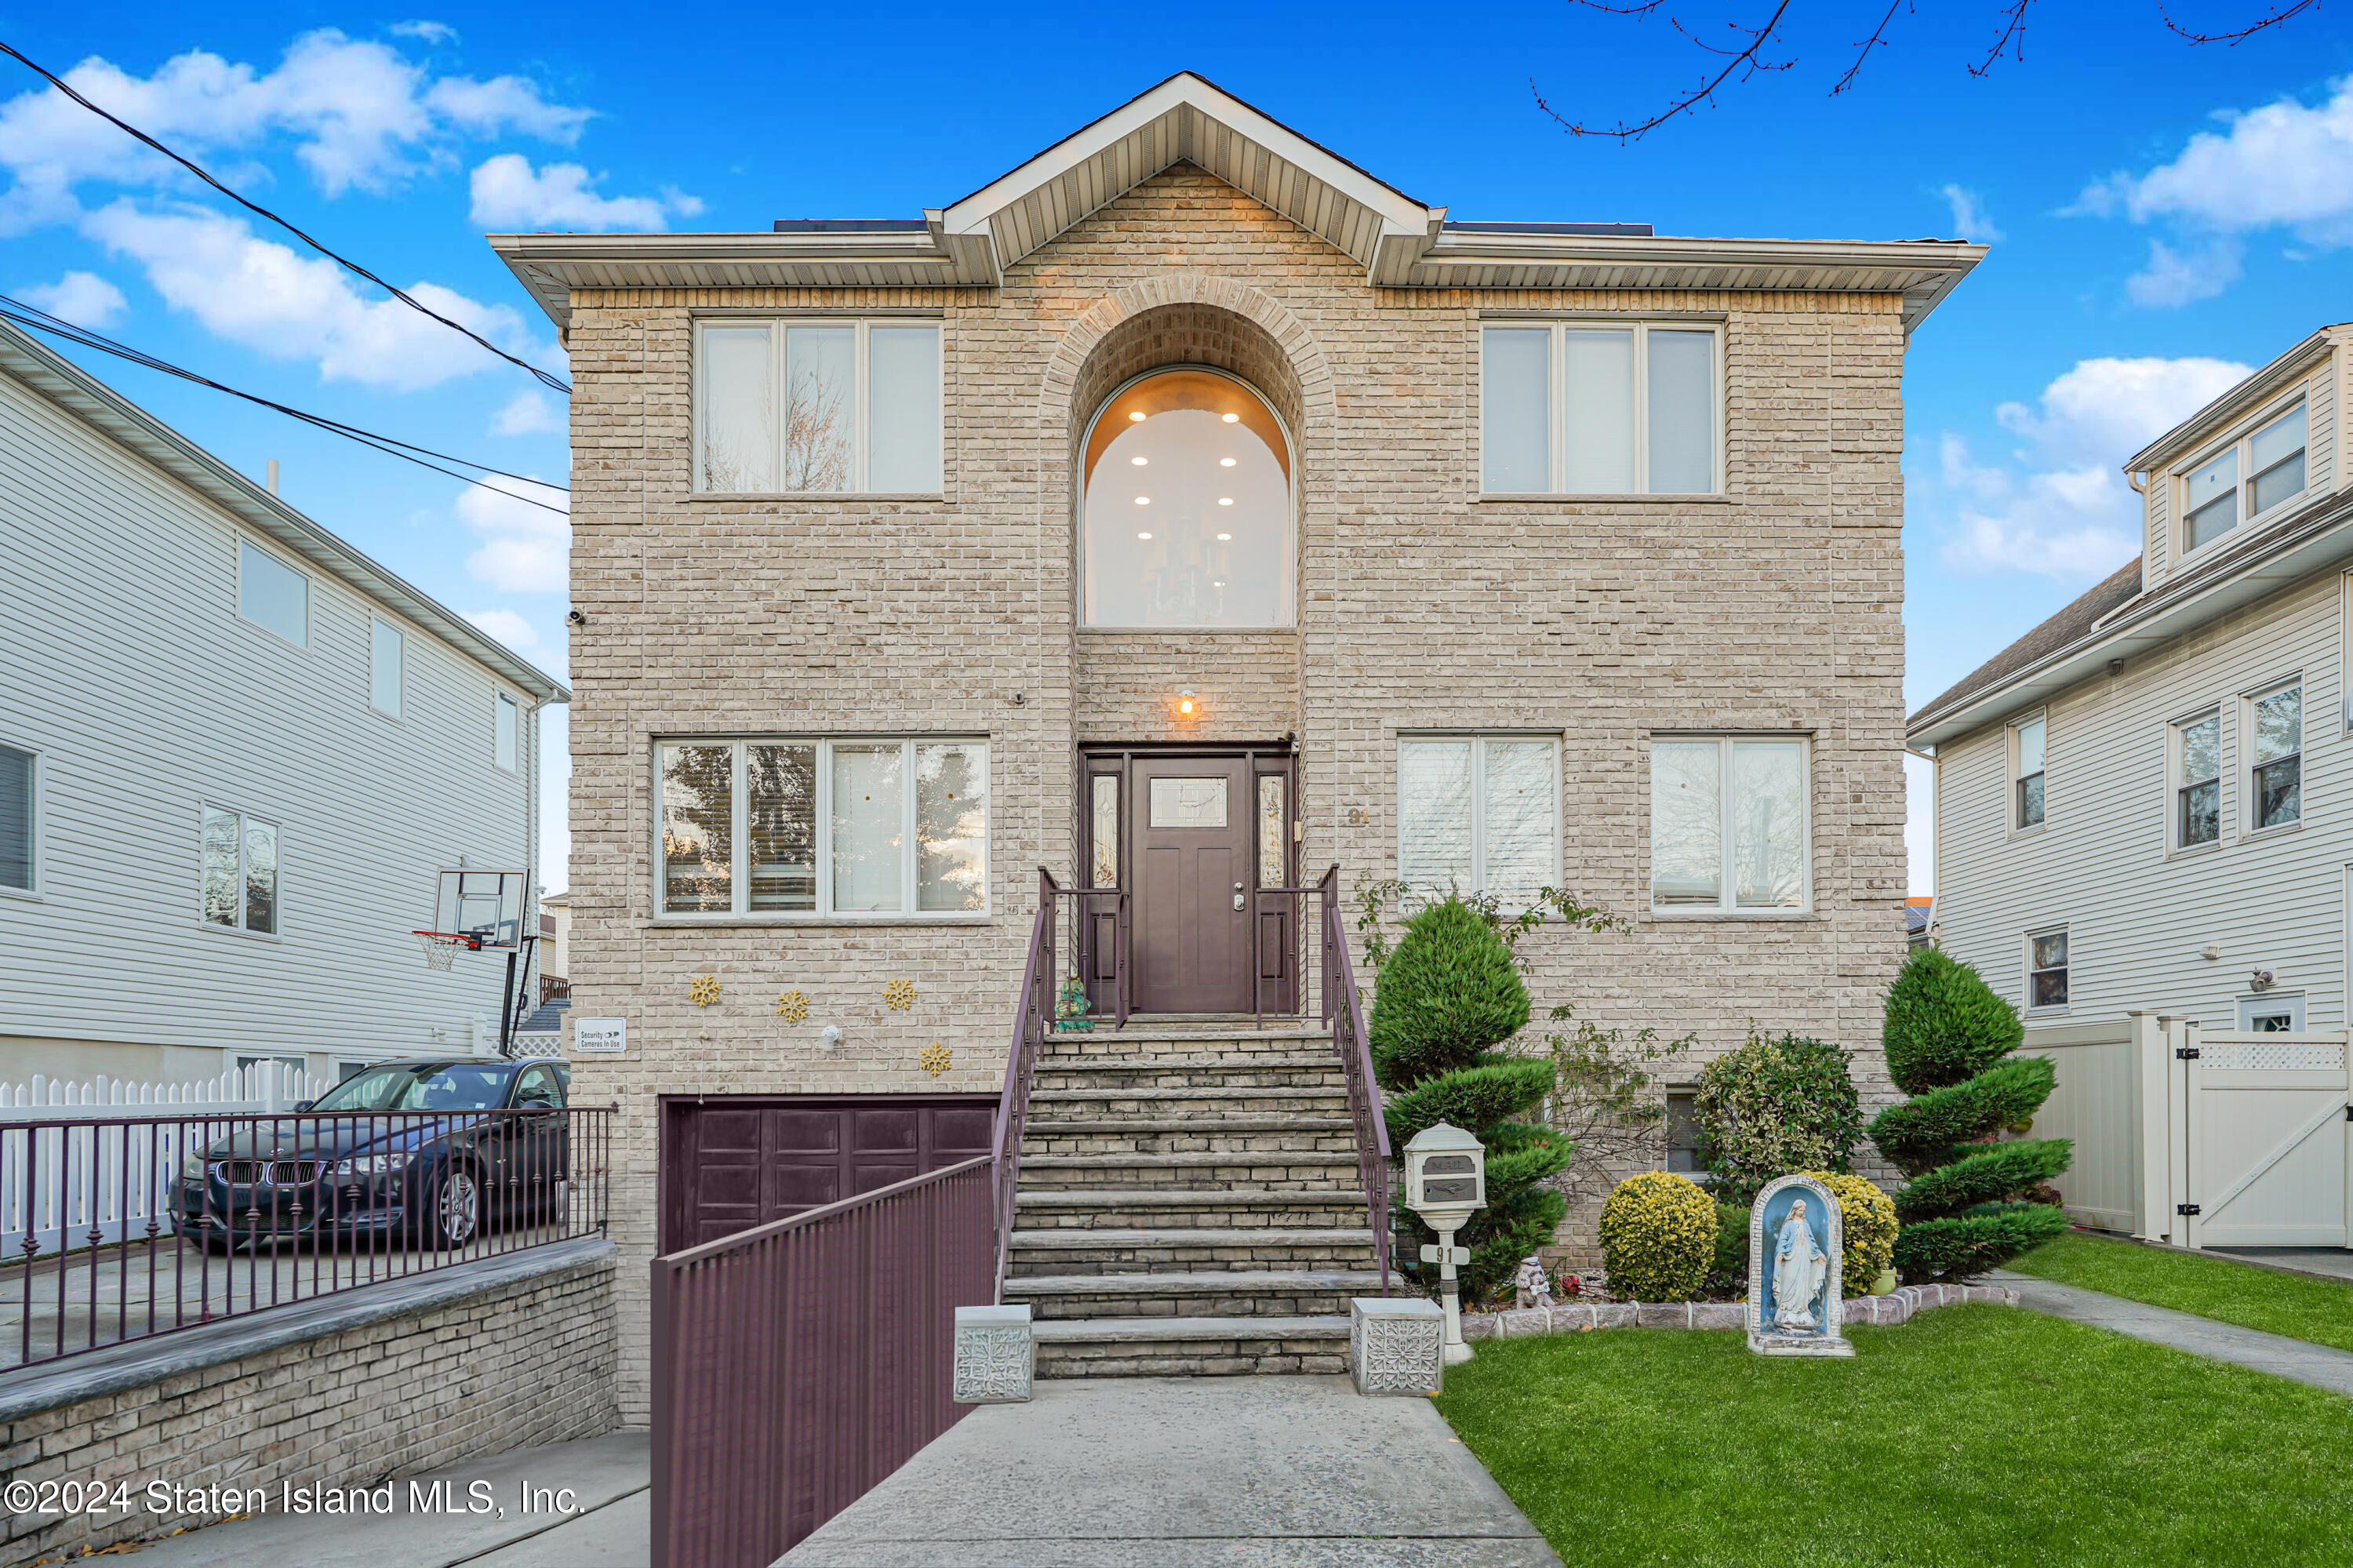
600,1034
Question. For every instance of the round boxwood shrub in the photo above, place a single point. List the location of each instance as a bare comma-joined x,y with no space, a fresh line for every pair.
1658,1238
1777,1104
1867,1221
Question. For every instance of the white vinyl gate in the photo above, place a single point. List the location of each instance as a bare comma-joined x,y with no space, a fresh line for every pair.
2204,1137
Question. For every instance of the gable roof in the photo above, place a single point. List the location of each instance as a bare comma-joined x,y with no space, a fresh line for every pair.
67,387
2063,630
1401,242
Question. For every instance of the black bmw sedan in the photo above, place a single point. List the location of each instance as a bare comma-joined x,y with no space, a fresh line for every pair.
428,1151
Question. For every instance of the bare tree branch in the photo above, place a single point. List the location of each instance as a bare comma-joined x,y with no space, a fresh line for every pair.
2013,37
1878,37
1745,62
2279,14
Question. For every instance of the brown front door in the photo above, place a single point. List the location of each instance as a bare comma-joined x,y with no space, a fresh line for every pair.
1194,868
733,1162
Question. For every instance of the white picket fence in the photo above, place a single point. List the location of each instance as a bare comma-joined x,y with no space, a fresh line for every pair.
67,1187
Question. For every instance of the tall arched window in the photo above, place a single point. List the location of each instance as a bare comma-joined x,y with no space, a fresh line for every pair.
1187,515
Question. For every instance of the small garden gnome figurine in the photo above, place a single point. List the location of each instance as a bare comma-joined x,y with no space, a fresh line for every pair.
1529,1285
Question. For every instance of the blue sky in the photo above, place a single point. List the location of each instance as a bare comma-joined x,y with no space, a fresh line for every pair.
2160,215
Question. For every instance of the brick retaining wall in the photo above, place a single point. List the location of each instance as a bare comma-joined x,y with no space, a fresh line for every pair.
343,1391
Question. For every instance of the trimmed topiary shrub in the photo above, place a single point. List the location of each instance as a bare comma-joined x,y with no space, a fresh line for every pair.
1867,1221
1658,1238
1443,1002
1776,1105
1949,1040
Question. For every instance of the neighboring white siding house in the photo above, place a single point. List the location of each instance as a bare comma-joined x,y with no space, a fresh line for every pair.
2189,717
192,672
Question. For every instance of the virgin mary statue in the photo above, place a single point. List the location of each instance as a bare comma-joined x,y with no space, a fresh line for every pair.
1799,1270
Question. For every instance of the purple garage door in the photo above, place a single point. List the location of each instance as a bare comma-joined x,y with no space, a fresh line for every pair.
733,1162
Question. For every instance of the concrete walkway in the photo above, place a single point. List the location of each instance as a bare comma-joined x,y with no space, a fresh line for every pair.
1255,1472
609,1524
2335,1262
2295,1360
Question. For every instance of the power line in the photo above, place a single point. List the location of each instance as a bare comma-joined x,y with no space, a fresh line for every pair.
39,320
554,383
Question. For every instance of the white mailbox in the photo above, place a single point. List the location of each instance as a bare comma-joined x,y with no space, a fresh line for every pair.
1445,1176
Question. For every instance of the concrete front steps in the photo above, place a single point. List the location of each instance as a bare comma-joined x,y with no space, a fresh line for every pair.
1189,1203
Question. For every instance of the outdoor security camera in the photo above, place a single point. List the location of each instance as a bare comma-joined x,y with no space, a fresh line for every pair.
575,618
2259,981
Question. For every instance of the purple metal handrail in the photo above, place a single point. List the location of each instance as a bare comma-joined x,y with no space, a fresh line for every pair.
171,1215
1346,1010
796,1364
1033,1015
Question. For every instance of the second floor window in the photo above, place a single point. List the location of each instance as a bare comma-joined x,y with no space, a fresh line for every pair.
2249,478
2198,789
2046,969
2027,792
240,871
821,406
2276,727
384,656
848,828
506,733
15,818
272,595
1588,408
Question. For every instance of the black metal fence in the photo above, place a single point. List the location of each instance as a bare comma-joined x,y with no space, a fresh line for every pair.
121,1227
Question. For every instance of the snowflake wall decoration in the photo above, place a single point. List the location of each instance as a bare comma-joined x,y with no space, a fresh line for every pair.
792,1006
899,995
704,990
935,1058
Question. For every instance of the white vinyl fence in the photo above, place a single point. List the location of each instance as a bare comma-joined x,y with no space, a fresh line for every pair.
66,1186
2204,1137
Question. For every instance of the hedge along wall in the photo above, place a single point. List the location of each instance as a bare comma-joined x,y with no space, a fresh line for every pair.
341,1391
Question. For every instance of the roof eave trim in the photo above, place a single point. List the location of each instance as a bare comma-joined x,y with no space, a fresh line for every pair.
2194,431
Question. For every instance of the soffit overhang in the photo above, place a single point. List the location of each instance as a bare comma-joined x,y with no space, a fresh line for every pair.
2319,541
73,390
1399,241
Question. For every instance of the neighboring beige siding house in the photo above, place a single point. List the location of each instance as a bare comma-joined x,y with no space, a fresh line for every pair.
926,529
235,753
2146,803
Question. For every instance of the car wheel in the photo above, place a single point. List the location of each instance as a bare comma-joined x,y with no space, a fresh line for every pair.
453,1208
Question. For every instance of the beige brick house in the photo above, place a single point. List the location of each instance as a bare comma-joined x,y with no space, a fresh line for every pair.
1189,511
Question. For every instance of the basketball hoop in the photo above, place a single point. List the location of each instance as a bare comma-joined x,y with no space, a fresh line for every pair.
441,946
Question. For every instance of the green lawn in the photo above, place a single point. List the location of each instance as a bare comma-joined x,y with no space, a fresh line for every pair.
2295,1304
1971,1436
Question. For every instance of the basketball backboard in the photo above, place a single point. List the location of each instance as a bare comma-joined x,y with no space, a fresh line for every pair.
488,903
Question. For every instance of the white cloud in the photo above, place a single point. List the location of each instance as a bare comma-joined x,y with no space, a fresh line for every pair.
530,413
1970,221
84,299
2060,508
2287,165
424,32
509,195
263,295
523,549
359,113
507,626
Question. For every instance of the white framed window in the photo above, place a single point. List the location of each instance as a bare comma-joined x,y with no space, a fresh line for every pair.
240,861
2273,725
2196,765
1481,814
2256,474
2272,1012
1731,825
388,651
1601,408
2027,739
506,733
2046,970
825,829
20,814
818,405
272,595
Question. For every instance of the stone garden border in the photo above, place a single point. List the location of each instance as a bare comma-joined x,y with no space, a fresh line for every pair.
1898,1306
